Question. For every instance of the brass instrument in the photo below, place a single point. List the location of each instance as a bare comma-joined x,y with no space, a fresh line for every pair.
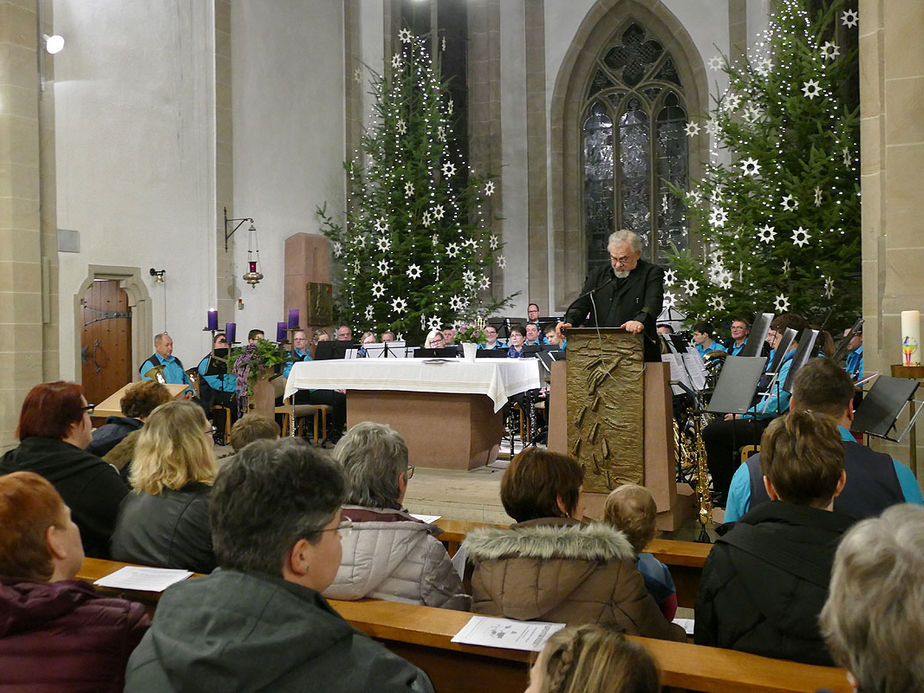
691,453
157,373
193,375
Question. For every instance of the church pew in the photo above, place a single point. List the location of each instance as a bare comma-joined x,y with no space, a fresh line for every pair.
684,558
422,635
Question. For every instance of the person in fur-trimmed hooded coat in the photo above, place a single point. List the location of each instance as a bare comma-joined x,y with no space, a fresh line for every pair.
550,567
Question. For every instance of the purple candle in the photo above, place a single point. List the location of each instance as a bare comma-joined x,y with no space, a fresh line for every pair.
281,331
213,320
230,331
293,318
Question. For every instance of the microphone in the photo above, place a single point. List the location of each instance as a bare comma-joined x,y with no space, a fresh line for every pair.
589,293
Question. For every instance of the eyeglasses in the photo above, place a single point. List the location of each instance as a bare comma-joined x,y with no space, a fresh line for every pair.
410,472
89,409
621,260
210,431
343,529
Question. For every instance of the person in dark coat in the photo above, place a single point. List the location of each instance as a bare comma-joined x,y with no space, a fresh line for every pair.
164,521
139,400
54,428
259,622
56,633
627,293
766,579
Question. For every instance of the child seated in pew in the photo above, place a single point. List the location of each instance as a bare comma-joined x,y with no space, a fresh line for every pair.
632,509
592,659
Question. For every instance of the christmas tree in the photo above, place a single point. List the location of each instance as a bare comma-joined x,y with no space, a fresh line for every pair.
417,251
780,224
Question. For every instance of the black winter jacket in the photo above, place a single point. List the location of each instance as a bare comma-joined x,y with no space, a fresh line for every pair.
91,488
766,580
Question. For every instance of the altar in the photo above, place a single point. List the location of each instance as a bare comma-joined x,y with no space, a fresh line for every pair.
447,410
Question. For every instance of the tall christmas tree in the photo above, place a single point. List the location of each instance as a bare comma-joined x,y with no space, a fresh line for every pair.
781,222
417,250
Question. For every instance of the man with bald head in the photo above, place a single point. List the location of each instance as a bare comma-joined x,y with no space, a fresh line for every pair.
627,293
173,370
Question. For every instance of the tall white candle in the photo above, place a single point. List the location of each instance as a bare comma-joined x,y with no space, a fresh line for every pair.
911,337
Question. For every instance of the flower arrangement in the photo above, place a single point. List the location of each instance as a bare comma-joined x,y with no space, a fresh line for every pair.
472,333
250,363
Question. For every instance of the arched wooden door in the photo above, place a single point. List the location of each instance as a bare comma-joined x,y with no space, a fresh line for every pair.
106,340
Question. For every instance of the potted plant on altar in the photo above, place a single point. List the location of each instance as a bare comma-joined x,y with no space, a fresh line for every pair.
471,336
253,366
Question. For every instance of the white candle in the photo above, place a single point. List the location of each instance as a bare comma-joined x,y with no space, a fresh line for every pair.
911,337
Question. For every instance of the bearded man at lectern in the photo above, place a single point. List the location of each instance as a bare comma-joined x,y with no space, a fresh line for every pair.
629,293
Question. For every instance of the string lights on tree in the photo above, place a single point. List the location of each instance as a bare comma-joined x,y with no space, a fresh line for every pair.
417,250
781,222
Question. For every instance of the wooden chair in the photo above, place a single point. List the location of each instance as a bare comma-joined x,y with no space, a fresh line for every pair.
218,409
748,451
295,415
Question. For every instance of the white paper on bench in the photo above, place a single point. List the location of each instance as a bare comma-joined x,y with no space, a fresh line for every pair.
489,631
429,519
143,579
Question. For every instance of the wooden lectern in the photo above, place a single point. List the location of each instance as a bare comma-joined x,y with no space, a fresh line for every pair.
612,412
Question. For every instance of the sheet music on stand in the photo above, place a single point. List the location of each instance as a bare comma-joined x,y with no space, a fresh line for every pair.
380,350
686,368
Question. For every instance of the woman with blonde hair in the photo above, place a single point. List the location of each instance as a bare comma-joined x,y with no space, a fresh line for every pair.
593,659
164,522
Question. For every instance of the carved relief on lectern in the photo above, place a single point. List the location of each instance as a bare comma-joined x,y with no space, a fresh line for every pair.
606,408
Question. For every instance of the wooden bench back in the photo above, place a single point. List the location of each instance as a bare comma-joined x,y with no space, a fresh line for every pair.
423,634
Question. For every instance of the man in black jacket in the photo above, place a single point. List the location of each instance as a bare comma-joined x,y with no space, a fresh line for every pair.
766,579
629,293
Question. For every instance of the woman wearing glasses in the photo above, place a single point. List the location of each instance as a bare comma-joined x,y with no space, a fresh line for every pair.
388,554
54,428
164,522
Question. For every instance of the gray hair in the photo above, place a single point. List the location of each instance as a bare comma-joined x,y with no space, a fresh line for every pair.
373,456
266,498
625,236
159,338
872,621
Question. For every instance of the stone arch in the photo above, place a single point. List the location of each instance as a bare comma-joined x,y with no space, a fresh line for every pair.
139,300
605,19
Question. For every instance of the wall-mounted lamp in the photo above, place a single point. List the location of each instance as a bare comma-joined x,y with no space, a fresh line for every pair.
158,275
253,275
54,44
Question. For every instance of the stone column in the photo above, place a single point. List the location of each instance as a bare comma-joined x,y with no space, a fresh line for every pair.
21,313
892,150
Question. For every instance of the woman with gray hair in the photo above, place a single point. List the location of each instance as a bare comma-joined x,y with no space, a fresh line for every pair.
872,620
389,554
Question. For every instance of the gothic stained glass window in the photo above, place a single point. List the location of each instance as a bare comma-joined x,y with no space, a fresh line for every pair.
635,147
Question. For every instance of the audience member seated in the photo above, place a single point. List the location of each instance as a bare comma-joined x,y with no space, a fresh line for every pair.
872,621
593,659
740,330
703,339
766,578
56,634
54,428
139,400
517,341
251,427
550,567
631,508
723,438
388,554
533,338
164,521
260,622
874,480
492,342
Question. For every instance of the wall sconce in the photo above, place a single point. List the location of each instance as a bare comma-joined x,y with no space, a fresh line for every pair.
158,275
54,44
253,275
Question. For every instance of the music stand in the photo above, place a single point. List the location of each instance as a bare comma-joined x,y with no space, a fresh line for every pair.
737,385
803,353
491,354
757,335
878,413
781,349
332,349
841,351
449,352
